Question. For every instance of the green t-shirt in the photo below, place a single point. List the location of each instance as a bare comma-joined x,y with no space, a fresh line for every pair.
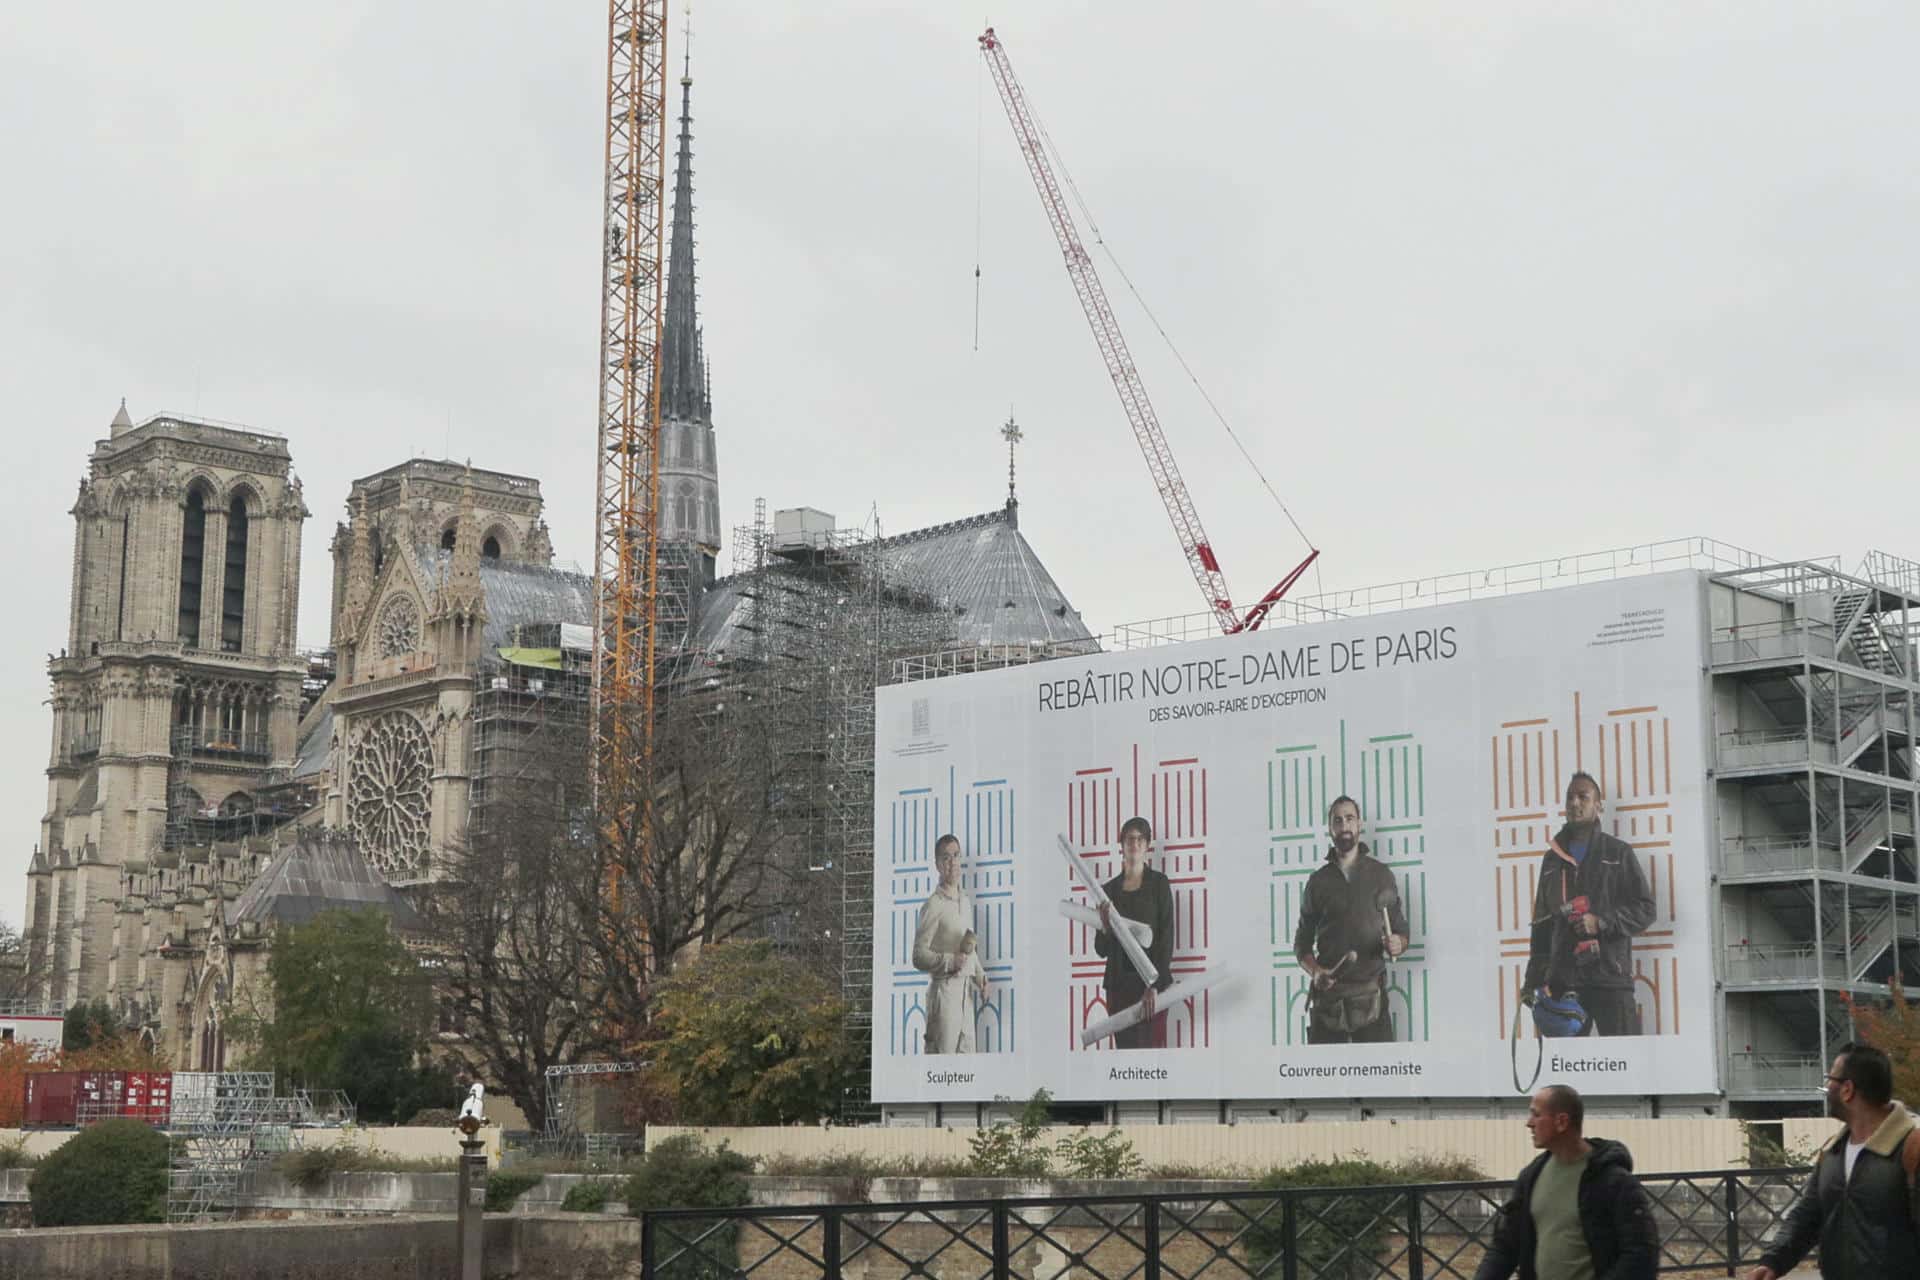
1559,1245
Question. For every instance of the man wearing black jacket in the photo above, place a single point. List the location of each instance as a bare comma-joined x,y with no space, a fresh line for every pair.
1590,901
1859,1205
1351,924
1577,1211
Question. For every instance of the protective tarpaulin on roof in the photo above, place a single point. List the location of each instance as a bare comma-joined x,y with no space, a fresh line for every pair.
547,658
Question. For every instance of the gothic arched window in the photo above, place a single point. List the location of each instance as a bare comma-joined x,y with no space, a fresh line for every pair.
233,593
193,548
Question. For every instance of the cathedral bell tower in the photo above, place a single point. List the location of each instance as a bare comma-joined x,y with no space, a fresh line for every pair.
178,693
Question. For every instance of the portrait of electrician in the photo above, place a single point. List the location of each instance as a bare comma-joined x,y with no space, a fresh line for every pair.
1590,901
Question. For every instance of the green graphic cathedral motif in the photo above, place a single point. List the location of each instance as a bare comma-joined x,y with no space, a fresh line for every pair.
1387,776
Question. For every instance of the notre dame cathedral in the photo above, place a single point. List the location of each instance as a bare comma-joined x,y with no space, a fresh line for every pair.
210,780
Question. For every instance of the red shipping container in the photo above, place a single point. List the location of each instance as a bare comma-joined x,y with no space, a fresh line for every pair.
51,1098
149,1096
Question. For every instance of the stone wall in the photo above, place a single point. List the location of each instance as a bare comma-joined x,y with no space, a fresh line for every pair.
411,1248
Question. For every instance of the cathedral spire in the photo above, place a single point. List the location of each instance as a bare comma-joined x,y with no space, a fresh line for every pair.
683,384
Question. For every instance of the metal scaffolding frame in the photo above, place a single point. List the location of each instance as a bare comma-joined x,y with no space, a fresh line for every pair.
828,618
1816,703
565,1136
223,1124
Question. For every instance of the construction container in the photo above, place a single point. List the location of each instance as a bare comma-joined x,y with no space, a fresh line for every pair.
69,1099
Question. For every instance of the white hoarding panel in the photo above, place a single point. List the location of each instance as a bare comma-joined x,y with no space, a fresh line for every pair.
1295,945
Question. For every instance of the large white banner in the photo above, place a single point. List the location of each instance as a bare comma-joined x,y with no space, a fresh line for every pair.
1365,841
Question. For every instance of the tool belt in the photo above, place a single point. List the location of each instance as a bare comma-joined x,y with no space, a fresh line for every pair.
1347,1007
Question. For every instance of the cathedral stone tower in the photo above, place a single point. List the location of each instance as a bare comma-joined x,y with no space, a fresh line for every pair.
178,693
689,466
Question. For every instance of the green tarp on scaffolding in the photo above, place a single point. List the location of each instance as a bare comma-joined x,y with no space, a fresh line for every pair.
548,658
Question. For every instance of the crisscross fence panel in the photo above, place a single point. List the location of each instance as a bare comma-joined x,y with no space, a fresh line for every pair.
1710,1224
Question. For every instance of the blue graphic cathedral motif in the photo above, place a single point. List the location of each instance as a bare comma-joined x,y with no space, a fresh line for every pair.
981,813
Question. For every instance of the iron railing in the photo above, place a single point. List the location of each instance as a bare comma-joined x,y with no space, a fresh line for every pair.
1712,1222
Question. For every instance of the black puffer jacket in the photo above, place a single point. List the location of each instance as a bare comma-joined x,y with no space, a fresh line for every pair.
1615,1216
1864,1225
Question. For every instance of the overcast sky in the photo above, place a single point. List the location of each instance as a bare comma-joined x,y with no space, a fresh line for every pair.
1477,283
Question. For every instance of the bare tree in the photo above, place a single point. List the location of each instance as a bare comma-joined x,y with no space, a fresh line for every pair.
562,908
509,942
695,854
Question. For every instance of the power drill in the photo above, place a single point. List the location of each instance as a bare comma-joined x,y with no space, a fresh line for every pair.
1572,910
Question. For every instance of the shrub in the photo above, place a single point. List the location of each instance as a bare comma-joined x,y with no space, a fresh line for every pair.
1111,1155
682,1173
587,1197
14,1153
506,1186
1338,1235
111,1172
310,1168
433,1118
1014,1150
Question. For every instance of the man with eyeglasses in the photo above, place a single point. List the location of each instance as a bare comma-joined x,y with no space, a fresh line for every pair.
1860,1204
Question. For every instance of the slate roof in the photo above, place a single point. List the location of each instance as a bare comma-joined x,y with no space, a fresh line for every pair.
320,871
518,593
310,761
980,569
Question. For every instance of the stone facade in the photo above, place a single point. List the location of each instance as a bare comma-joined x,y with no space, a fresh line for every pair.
177,696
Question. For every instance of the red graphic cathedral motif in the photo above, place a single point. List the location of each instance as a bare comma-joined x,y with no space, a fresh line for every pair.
1172,795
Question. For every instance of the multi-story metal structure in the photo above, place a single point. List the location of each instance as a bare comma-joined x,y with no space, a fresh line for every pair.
1809,675
1813,679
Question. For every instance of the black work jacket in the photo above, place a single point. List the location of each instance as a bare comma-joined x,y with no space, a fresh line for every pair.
1340,914
1864,1225
1615,1216
1616,888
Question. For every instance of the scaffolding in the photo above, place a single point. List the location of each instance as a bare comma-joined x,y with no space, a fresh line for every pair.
821,618
223,1125
574,1104
538,686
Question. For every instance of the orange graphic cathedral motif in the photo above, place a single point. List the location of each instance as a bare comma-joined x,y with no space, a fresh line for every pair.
1629,750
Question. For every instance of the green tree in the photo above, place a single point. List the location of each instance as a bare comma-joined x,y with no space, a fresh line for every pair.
113,1171
351,1008
743,1036
89,1023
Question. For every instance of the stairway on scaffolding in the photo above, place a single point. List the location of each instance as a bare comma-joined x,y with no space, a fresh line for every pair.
225,1125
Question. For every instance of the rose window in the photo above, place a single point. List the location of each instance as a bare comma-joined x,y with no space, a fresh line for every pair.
399,630
389,794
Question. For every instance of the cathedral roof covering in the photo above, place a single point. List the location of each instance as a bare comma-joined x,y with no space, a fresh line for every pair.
320,871
310,761
519,594
981,569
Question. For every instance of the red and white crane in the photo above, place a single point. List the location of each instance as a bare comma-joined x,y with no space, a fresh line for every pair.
1185,518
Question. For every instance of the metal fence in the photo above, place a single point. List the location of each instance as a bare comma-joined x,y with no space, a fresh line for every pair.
1709,1223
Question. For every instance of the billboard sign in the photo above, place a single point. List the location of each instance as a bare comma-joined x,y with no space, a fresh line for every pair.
1441,852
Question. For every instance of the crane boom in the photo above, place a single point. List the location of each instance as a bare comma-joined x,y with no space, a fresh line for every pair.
1181,512
627,527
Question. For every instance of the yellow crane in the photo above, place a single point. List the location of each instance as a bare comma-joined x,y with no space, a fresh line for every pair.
626,551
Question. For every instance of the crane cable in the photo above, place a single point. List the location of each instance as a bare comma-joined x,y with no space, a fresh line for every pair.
1093,226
